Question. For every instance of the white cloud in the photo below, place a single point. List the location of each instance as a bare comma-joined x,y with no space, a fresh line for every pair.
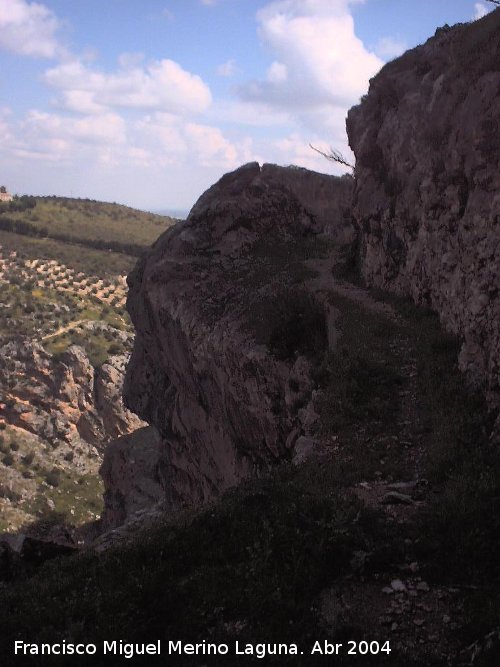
480,10
227,69
238,114
107,129
28,29
210,146
161,135
52,138
173,141
277,73
160,85
319,58
388,47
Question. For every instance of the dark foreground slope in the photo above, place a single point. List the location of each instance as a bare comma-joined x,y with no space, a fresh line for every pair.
387,533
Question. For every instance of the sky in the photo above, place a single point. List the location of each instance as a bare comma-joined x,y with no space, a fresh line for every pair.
147,103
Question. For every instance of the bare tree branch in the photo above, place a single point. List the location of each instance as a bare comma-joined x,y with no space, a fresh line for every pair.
495,2
334,156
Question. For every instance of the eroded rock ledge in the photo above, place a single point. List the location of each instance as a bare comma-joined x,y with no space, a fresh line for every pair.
63,399
213,368
427,193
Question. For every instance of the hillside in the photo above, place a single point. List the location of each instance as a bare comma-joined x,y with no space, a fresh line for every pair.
83,221
58,294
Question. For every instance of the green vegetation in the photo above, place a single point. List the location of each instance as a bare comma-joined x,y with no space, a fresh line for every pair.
76,498
93,262
257,559
60,293
40,481
91,223
95,343
291,323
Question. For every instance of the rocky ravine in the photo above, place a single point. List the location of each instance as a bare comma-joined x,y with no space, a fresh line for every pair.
427,192
56,416
207,302
64,399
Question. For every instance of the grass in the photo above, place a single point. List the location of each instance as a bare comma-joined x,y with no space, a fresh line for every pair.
96,345
39,473
84,220
76,498
273,543
462,525
290,322
101,263
42,319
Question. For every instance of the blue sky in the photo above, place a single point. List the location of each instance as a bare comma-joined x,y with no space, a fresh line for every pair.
148,103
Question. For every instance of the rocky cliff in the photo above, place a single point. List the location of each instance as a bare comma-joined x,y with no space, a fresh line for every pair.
427,192
63,399
221,365
231,306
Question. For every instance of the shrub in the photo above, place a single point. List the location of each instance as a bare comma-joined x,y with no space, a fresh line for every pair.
28,458
115,348
8,460
53,477
301,327
10,494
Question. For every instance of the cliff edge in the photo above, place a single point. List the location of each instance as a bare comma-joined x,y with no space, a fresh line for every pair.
427,186
226,329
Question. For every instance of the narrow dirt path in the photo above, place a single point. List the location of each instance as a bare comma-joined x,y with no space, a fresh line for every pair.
385,452
64,329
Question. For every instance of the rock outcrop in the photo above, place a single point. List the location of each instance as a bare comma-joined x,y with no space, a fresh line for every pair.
219,366
63,399
133,475
228,313
427,192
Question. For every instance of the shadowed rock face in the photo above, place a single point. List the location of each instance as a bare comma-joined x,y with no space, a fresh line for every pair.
205,303
427,194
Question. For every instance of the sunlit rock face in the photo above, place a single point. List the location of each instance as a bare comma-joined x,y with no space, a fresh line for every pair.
427,192
64,398
203,303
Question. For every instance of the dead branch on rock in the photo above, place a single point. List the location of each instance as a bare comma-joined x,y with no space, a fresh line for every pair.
334,156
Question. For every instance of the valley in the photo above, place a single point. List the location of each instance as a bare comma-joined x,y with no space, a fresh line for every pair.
59,296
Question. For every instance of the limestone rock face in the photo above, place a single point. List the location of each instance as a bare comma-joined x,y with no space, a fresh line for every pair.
206,303
132,474
65,398
427,193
